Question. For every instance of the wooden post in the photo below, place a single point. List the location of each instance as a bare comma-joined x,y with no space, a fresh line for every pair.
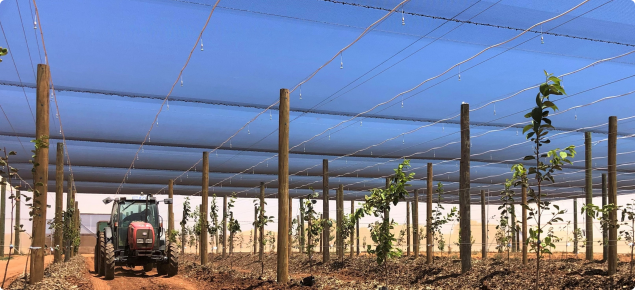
283,190
429,241
255,235
589,193
321,238
483,227
415,224
67,222
224,241
261,239
407,228
290,226
59,202
357,235
514,233
78,227
40,174
605,233
301,219
204,208
387,213
464,191
612,194
340,218
575,226
326,236
3,198
352,232
524,223
16,245
170,208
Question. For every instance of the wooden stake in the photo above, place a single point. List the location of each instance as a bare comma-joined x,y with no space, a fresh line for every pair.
575,226
605,233
612,194
407,228
67,222
589,193
340,216
16,245
78,227
283,190
40,174
225,216
204,208
59,202
464,191
255,235
415,224
290,226
524,223
429,241
322,238
352,232
170,208
483,227
326,235
357,235
262,227
301,219
514,233
3,198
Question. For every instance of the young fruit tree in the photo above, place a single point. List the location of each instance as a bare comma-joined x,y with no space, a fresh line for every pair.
542,172
507,214
186,215
213,226
439,219
378,204
628,213
602,215
315,226
233,224
261,222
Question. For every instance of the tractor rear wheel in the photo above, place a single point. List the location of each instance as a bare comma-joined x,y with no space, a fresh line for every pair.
109,261
173,260
100,255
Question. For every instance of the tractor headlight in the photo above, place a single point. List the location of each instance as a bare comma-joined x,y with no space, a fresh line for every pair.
139,241
148,241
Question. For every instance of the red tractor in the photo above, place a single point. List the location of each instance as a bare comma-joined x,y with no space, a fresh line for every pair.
134,236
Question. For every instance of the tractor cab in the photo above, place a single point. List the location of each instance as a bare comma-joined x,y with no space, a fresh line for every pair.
135,236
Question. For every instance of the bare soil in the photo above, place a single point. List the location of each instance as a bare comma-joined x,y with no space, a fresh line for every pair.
136,278
243,271
16,267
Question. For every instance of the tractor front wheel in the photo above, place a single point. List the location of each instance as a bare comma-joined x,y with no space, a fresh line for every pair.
173,260
99,256
109,261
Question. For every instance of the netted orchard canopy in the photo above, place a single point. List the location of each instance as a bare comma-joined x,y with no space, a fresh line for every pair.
113,63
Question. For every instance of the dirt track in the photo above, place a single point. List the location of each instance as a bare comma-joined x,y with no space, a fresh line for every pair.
16,267
137,279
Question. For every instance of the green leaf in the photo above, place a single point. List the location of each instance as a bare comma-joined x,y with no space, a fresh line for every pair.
526,128
529,157
544,90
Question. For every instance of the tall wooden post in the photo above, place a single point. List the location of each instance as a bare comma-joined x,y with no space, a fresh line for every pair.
588,189
464,191
524,223
16,230
605,233
326,235
415,224
612,194
483,227
283,191
407,228
40,175
290,226
59,202
575,226
340,217
225,216
170,208
352,232
204,203
255,236
301,219
261,239
3,198
429,241
67,222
